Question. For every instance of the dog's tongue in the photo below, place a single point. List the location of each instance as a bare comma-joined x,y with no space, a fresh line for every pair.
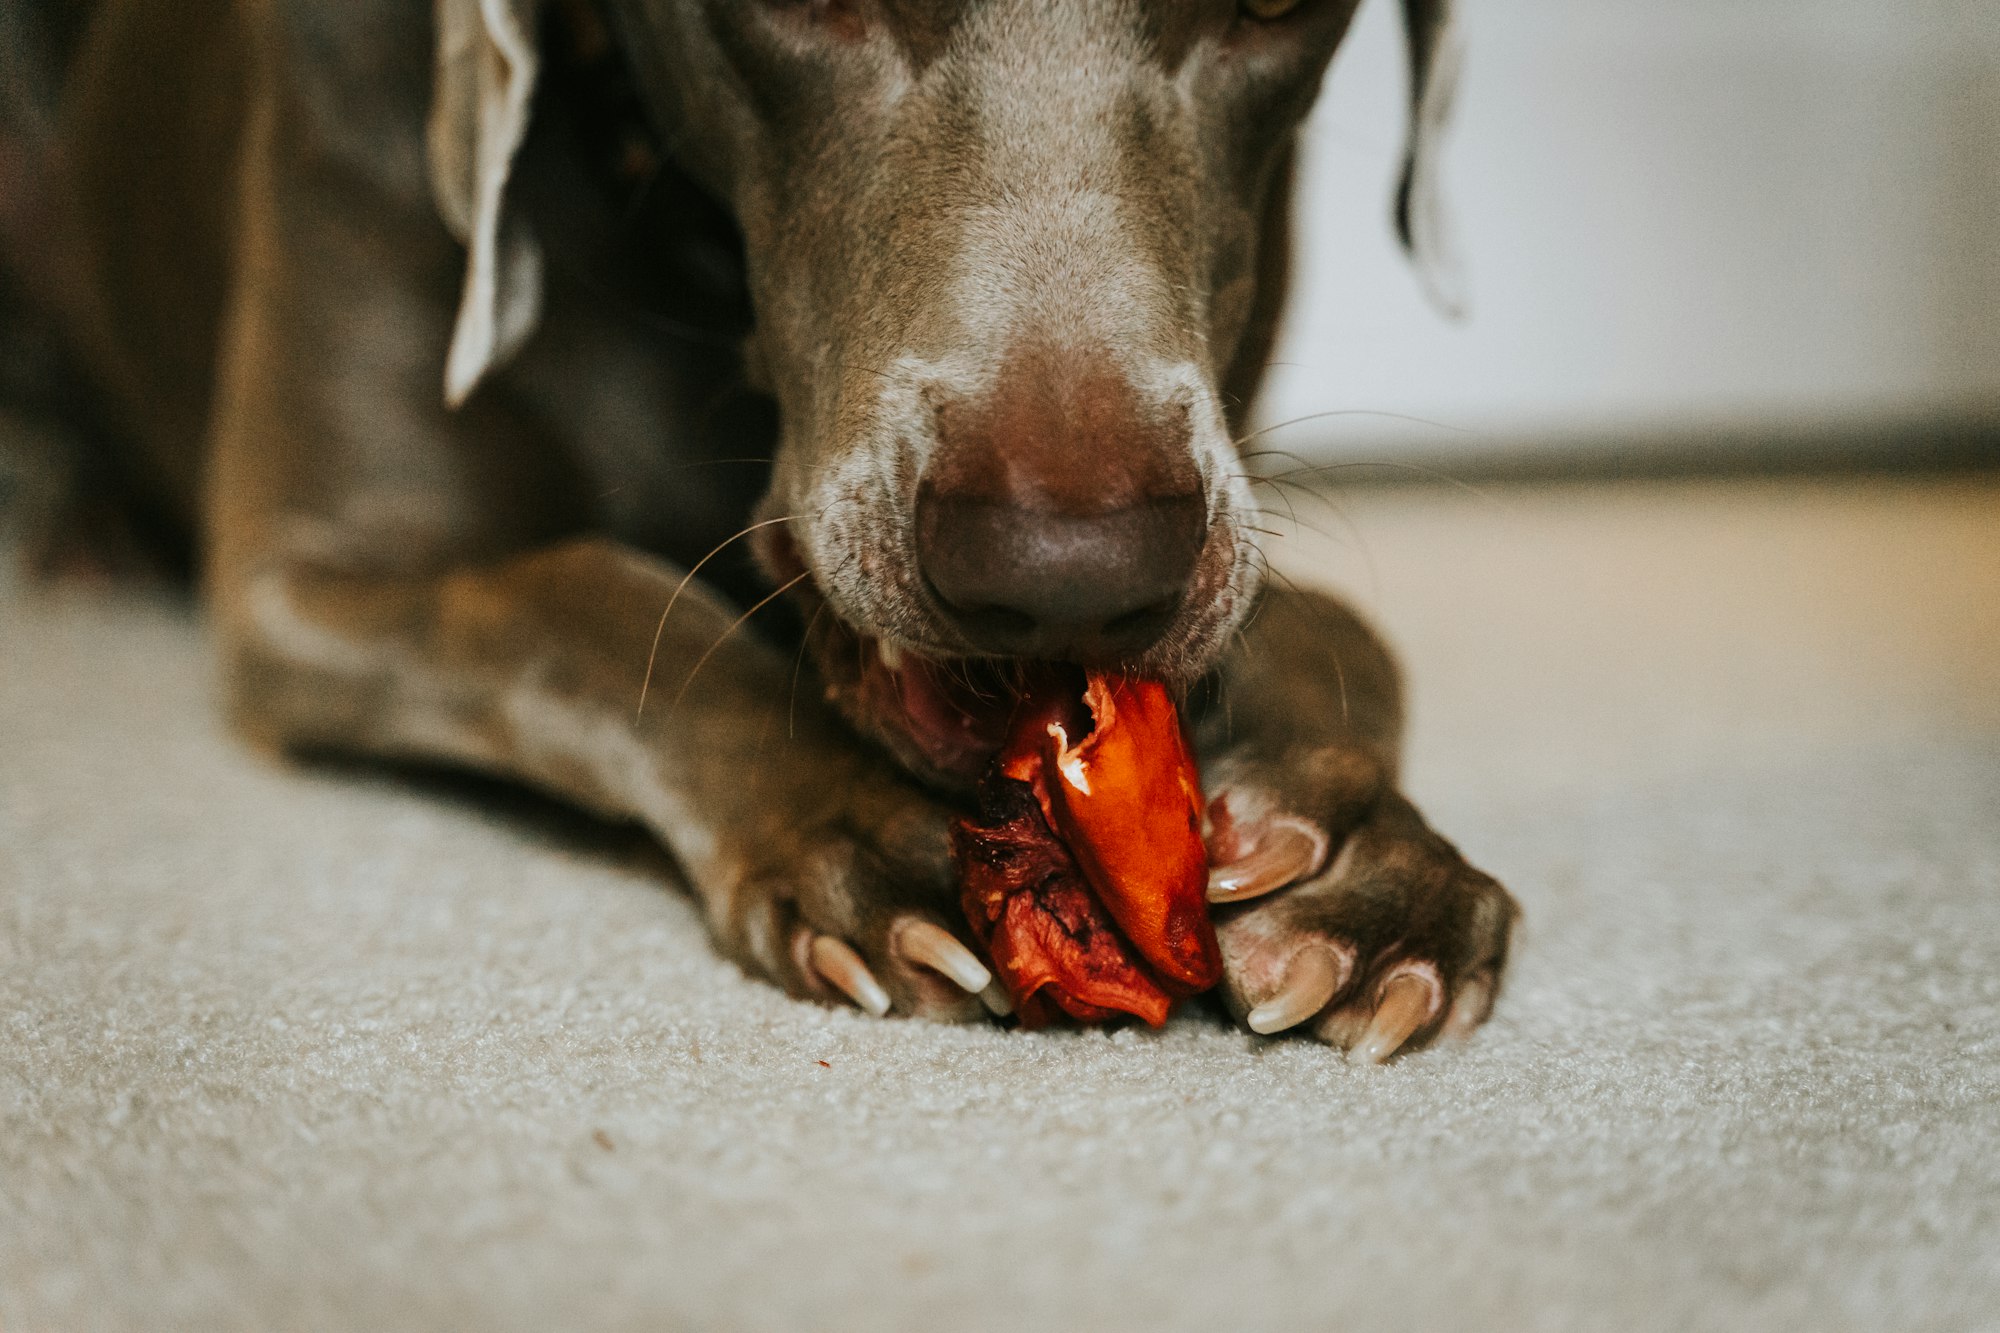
1113,827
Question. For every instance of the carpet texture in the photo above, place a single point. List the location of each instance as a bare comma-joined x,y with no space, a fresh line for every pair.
328,1048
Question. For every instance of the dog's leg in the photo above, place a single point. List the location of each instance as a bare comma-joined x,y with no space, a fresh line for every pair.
1341,913
804,849
391,578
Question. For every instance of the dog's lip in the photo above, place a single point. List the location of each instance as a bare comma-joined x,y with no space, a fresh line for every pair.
944,716
954,713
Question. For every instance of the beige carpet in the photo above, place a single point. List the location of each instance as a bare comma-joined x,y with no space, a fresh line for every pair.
329,1050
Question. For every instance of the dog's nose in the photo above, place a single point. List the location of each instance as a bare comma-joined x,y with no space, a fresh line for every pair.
1061,516
1040,583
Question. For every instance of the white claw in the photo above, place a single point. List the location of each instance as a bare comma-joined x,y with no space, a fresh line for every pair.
1409,1000
998,1003
1309,983
1287,851
932,945
840,965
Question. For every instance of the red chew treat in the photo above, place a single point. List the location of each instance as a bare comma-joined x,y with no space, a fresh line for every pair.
1049,939
1085,876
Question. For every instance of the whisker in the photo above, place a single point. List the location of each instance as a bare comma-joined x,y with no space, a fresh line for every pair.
1431,473
805,644
1347,520
798,663
1275,453
882,375
653,654
959,670
1351,412
1208,696
741,620
1256,610
1339,672
717,462
1253,479
985,694
1355,540
1291,510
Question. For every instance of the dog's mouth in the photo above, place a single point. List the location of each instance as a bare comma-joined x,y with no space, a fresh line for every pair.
942,712
943,717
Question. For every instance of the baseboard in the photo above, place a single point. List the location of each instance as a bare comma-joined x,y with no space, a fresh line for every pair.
1909,446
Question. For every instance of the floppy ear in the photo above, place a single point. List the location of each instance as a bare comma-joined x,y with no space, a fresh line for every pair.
485,77
1421,219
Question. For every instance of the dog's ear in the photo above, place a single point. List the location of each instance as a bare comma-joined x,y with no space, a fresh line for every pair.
485,79
1421,219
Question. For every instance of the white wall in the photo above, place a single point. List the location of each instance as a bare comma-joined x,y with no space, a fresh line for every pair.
1695,211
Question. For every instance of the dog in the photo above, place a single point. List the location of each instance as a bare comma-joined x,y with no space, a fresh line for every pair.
467,343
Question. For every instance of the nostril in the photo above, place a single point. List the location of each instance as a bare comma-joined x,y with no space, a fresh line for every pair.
1147,620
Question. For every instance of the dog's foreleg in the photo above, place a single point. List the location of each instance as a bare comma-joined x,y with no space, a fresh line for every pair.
387,580
1341,913
819,866
532,666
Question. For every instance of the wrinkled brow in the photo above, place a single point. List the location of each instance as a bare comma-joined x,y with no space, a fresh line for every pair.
924,27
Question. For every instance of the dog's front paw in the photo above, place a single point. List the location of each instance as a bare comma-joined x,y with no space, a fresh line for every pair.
1356,924
858,902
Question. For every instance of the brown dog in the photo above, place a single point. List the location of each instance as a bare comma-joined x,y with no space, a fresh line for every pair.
439,326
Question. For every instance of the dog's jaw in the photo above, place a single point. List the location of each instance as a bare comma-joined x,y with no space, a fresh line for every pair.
894,667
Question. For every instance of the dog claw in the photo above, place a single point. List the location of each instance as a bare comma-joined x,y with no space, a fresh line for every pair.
935,947
1310,982
1408,1001
998,1003
842,967
1288,851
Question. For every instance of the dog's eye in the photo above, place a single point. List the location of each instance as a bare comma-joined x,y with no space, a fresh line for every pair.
1268,9
840,17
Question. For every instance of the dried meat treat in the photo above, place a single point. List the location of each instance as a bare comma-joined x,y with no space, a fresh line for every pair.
1049,939
1085,875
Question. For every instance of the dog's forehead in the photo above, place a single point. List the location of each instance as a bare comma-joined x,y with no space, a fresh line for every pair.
1167,28
1156,31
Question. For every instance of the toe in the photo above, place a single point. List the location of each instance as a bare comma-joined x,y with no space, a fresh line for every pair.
1470,1006
996,999
1341,1028
1315,974
766,936
1266,856
929,971
836,961
1408,1000
927,944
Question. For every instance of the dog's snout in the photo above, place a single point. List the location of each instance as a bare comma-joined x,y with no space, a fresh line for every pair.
1062,515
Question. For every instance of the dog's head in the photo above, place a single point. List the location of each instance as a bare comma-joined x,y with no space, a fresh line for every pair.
1009,259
